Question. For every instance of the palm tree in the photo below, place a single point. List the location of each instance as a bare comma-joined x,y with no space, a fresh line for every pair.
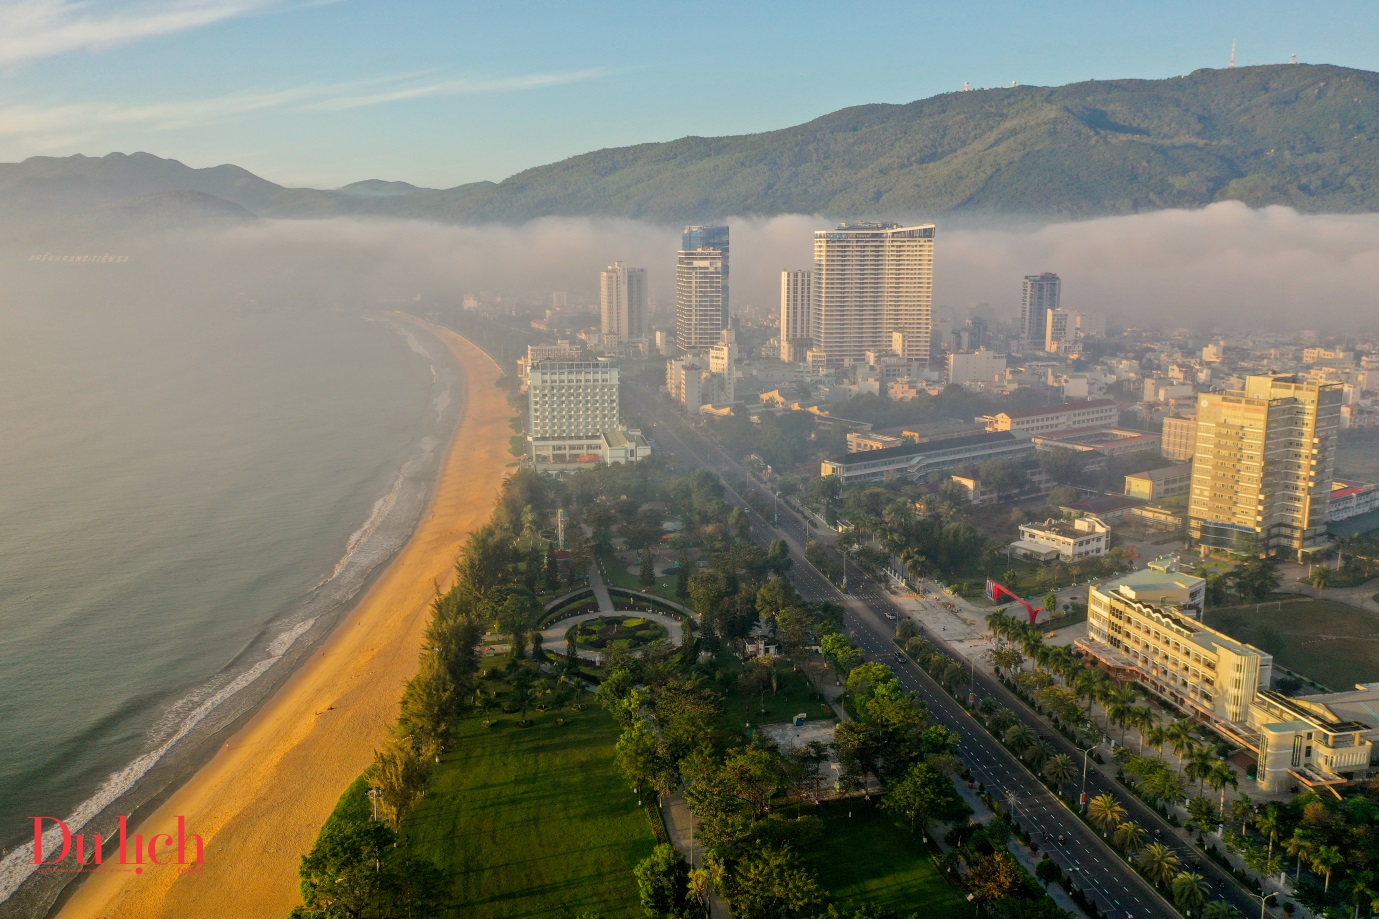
1143,721
1129,836
1199,766
1059,769
1158,862
1221,776
1019,737
1036,753
1189,891
1157,736
1106,812
1243,810
1359,890
1001,720
1180,738
1220,909
1269,822
1301,845
1324,861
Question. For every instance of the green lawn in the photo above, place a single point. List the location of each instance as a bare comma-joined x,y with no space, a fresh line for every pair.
534,821
1335,644
865,857
618,575
794,694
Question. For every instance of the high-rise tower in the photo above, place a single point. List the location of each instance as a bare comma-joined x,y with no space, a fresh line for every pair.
622,295
795,306
873,291
1040,294
701,287
1263,464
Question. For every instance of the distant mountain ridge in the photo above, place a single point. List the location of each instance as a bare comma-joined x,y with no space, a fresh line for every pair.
1301,135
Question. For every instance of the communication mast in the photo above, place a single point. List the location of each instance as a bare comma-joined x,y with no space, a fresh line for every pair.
1231,65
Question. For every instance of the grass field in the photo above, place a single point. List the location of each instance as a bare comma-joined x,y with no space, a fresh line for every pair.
534,821
1335,644
865,857
794,694
1358,459
616,574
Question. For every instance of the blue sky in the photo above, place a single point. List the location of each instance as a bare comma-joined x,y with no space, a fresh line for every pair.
323,92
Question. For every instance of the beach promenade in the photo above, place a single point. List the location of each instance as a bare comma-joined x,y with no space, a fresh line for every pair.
261,800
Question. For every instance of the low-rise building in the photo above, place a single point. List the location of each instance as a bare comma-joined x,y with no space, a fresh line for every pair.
1106,441
1157,484
918,460
1107,507
862,441
1314,740
1070,540
1045,420
1351,499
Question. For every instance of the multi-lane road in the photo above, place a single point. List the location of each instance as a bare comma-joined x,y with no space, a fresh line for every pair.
870,612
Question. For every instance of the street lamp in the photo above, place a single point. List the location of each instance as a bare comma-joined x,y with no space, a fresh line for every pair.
1262,901
1082,798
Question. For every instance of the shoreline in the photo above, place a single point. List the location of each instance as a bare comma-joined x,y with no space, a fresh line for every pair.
263,796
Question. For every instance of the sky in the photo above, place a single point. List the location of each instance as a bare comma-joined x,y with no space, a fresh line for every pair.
326,92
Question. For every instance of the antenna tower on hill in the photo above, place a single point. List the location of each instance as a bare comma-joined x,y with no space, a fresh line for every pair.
1232,63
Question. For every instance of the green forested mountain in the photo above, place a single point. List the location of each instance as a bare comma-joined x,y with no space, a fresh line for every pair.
1301,135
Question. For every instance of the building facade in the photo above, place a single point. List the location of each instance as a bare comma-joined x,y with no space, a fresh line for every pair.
1263,464
1060,332
701,287
1070,540
1157,484
1040,293
873,290
622,298
918,460
1179,438
570,405
1067,417
796,300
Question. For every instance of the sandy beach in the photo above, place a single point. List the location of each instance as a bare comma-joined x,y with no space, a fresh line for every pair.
260,801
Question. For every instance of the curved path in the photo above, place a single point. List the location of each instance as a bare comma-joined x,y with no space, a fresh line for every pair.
553,636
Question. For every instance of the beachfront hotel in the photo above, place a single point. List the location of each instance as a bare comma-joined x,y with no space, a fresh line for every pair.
1145,628
572,415
701,288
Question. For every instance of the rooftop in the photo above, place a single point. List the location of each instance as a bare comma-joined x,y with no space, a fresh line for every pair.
935,446
1056,409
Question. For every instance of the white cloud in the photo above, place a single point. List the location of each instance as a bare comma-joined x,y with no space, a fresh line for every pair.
50,127
34,29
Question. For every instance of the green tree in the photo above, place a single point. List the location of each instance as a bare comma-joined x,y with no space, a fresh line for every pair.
1324,861
993,876
663,882
1189,890
1158,862
1220,909
923,794
429,705
637,754
1059,769
1129,836
772,884
841,653
647,575
1106,812
682,576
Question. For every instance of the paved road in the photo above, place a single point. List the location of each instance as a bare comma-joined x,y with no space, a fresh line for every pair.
869,613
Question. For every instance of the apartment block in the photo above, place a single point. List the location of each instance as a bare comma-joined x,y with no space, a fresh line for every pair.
622,301
1179,438
1263,464
1039,294
796,306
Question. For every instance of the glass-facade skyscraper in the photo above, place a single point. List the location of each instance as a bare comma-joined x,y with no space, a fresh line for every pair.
701,287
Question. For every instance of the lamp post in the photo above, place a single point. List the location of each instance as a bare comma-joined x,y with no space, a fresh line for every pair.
1263,901
1082,798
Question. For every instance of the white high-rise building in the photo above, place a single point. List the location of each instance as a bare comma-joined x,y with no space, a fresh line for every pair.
873,290
622,295
1059,331
1040,294
795,308
701,287
570,406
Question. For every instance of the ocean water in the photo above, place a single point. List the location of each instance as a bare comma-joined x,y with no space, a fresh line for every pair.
190,497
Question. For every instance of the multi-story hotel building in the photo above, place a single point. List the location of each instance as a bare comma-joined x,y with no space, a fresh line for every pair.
1060,332
1040,294
1263,464
571,405
701,287
1144,627
622,297
795,306
873,290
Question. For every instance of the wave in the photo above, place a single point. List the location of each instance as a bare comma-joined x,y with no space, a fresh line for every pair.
381,509
18,865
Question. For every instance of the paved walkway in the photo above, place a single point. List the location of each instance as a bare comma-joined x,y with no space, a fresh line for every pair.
553,636
601,591
680,828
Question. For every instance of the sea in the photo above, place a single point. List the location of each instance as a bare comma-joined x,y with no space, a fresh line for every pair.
193,490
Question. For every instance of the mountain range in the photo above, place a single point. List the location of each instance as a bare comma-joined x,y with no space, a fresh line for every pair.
1306,136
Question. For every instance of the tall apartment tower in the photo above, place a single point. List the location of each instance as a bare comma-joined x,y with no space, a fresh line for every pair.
1263,464
701,287
795,306
873,291
622,295
1040,295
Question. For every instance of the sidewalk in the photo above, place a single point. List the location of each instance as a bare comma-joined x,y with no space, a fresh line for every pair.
680,828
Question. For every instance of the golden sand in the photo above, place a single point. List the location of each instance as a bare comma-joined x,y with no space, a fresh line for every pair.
262,798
